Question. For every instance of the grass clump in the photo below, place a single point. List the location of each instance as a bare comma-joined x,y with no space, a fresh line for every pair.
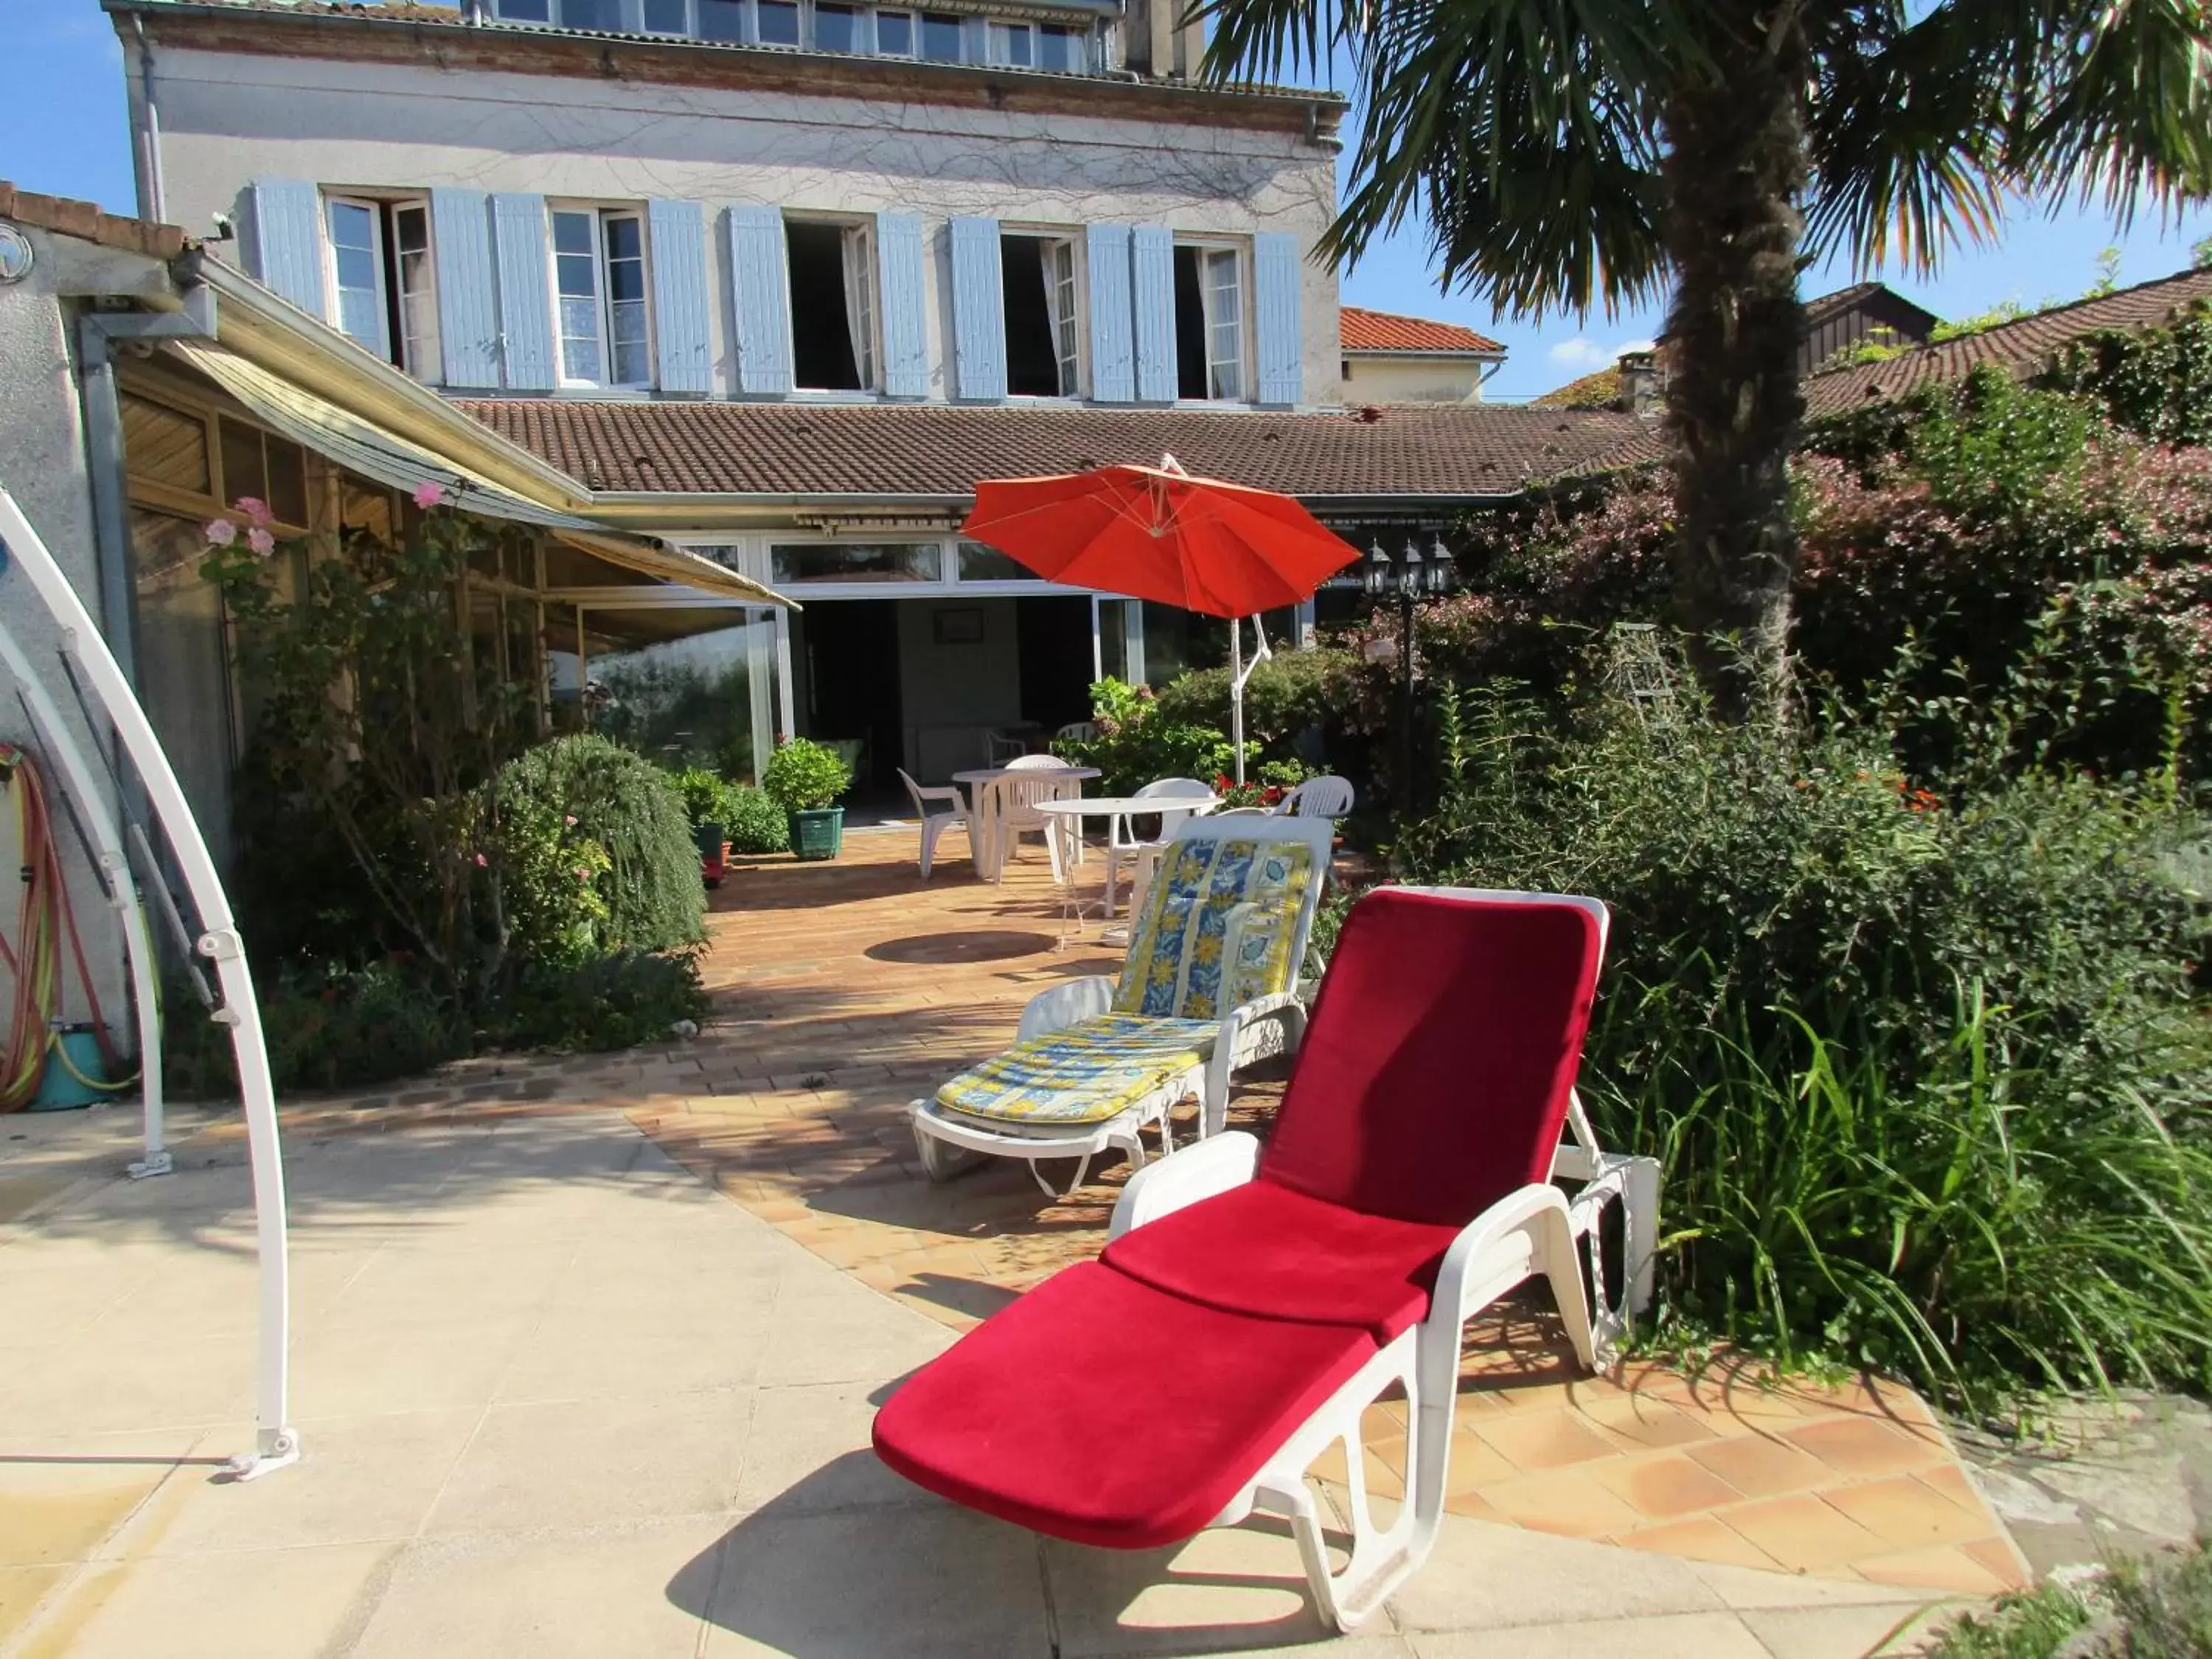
2158,1607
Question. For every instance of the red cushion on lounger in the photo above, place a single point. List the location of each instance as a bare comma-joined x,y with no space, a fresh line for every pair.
1267,1249
1434,1077
1100,1410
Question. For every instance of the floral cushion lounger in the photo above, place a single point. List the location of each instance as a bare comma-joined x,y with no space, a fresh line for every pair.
1249,1307
1209,985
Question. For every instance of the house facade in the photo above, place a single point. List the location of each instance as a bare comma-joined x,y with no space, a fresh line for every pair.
1392,359
779,279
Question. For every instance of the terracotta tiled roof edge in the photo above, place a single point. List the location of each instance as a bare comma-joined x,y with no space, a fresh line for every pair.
89,221
1361,328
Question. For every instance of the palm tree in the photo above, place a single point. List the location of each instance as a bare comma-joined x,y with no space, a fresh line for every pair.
1567,153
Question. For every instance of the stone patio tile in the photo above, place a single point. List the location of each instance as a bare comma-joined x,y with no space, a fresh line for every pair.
1940,1568
120,1382
586,1594
1803,1533
1907,1513
1532,1441
1643,1422
1862,1445
950,1584
1483,1576
22,1589
242,1604
1229,1588
1701,1538
446,1282
658,1347
1747,1590
592,1462
60,1495
359,1369
1847,1633
831,1329
1568,1502
810,1452
1663,1486
1758,1466
1678,1636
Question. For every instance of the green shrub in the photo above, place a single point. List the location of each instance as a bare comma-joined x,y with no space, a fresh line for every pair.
709,798
335,1028
756,823
650,885
1137,744
2158,1607
804,776
611,1002
1290,694
1921,1058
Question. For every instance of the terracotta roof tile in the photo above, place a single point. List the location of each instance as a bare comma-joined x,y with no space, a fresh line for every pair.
2020,347
1361,330
90,222
934,451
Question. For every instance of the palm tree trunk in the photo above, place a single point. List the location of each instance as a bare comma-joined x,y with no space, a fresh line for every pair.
1736,166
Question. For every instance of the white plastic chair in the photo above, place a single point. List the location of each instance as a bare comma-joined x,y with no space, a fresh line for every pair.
1324,797
935,823
1077,731
1031,778
1145,853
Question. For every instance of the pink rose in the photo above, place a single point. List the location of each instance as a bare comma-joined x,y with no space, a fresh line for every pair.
481,861
255,510
261,541
582,874
221,532
570,819
428,494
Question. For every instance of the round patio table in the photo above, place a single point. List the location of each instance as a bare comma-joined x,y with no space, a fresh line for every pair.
1074,810
984,821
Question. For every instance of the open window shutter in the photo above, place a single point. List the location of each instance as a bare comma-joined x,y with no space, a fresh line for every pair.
525,298
1113,349
284,241
679,295
906,326
1275,278
759,290
1151,275
468,315
979,311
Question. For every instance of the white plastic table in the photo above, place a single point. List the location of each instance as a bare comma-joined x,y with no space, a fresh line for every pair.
988,813
1077,808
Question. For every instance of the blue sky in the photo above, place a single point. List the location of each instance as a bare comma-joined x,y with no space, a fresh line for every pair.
62,131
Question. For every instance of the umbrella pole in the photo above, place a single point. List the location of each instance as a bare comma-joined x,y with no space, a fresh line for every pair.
1237,694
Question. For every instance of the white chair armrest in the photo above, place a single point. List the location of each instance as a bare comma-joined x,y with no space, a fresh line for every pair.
1064,1005
1204,1169
1524,1233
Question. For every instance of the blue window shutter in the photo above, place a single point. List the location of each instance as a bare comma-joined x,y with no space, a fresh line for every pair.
760,273
525,298
899,255
979,311
1151,275
679,295
468,316
284,245
1275,276
1113,347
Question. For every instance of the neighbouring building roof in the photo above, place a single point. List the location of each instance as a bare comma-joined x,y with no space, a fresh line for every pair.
1821,308
90,222
1361,330
936,452
1598,390
2020,347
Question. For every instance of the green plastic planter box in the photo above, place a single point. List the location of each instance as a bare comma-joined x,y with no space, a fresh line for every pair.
818,833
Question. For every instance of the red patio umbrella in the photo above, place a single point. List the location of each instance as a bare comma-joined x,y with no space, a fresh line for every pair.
1155,532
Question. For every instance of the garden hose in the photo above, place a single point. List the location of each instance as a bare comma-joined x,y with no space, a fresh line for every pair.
35,960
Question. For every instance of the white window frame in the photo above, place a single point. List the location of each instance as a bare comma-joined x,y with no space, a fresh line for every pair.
380,344
1083,38
806,22
857,259
1003,32
1069,286
601,375
1211,250
426,364
913,16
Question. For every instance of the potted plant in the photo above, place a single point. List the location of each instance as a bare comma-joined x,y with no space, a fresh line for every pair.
805,779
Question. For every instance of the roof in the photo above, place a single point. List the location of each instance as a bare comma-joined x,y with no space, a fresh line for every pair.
936,452
90,222
2020,347
1598,390
1821,308
1361,330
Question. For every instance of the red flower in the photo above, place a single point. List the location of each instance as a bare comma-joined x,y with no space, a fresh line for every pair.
1273,793
1221,783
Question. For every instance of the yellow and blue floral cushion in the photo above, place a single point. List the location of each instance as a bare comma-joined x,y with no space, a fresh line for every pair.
1175,965
1093,1070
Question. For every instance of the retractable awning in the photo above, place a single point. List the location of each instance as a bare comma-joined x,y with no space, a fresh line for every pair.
364,447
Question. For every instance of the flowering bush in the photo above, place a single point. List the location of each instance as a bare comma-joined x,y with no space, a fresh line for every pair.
1138,745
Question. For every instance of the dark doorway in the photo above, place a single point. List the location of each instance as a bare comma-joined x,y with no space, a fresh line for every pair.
823,358
851,672
1055,655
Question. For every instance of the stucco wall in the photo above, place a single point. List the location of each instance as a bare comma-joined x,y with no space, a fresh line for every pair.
228,118
42,464
1411,380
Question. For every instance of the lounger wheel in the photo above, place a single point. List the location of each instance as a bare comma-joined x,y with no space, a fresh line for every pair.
940,1159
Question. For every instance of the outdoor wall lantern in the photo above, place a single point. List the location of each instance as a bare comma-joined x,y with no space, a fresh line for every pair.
1408,578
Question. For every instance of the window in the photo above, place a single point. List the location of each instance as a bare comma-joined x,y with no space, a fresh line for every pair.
895,34
598,271
779,21
1038,277
1063,48
1209,322
267,468
605,14
722,20
942,37
833,305
381,276
526,11
666,17
837,28
1013,44
979,563
859,561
